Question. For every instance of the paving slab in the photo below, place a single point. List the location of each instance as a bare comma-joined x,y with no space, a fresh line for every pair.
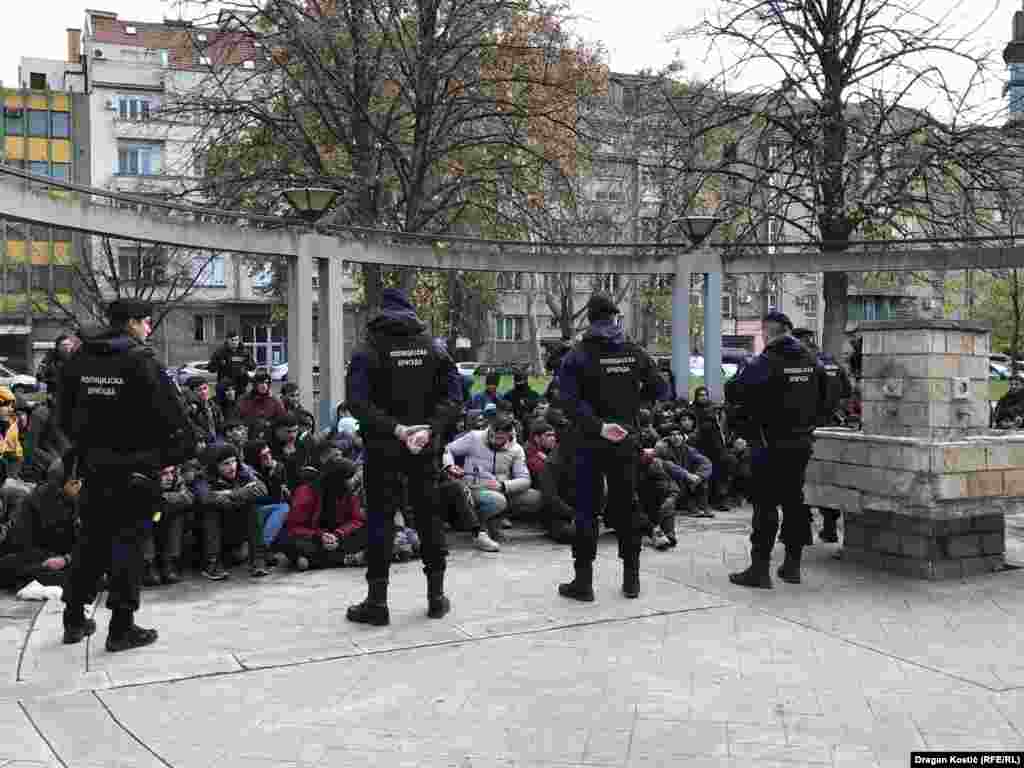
850,668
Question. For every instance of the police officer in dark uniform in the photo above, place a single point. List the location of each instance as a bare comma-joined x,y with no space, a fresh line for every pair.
405,390
125,422
233,361
604,381
779,396
839,389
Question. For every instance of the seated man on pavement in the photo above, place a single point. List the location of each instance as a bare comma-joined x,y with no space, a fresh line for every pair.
495,466
558,483
542,442
326,526
37,546
227,494
273,508
658,497
164,539
689,468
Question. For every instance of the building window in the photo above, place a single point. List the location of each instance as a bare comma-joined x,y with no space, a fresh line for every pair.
208,328
60,125
727,308
773,301
60,171
14,121
510,281
555,322
38,122
62,278
139,159
37,81
606,283
209,271
509,328
40,168
608,191
811,306
696,299
134,107
147,266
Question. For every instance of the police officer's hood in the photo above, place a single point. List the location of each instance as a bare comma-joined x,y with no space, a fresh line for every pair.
102,341
396,317
606,331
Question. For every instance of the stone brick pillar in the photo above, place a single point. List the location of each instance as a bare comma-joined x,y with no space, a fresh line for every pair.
925,488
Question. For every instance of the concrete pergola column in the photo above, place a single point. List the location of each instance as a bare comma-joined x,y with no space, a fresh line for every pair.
332,337
681,326
300,315
713,335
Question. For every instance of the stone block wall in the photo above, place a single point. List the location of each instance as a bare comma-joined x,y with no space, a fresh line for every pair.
911,371
926,509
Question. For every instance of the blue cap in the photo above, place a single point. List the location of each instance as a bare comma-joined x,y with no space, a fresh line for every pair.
778,317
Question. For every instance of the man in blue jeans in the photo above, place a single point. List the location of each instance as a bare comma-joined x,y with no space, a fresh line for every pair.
273,508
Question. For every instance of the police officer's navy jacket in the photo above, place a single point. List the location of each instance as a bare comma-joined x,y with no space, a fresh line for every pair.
400,375
119,409
780,394
837,387
606,378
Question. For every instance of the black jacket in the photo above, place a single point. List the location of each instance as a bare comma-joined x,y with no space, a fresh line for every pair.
402,376
233,364
119,409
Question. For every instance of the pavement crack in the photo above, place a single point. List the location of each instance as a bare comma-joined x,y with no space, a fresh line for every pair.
39,732
24,645
129,732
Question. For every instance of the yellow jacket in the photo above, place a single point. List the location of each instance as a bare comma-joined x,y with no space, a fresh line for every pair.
10,442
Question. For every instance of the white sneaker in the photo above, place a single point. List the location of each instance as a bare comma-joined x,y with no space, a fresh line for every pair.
485,543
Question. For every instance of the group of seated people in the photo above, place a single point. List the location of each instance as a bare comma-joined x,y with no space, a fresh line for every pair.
270,490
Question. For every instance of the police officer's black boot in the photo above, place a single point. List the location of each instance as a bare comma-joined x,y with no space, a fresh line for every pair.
789,571
757,575
124,634
76,626
582,586
437,602
374,609
629,551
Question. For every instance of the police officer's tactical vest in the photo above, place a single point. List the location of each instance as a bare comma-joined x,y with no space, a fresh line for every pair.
611,380
795,393
405,381
837,384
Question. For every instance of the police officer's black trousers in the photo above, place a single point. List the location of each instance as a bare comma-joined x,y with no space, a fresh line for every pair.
386,463
114,515
778,471
596,460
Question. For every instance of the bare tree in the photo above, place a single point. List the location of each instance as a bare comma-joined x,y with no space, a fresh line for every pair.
832,144
404,108
166,277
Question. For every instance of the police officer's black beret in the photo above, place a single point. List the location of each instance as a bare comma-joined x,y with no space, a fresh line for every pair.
601,304
194,382
122,310
778,317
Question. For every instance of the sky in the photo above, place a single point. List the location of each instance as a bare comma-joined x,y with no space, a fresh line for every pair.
632,31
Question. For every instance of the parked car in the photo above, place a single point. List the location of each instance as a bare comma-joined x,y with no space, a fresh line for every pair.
195,368
468,368
998,372
18,382
282,372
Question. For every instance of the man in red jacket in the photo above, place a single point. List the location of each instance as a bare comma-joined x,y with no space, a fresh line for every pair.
260,404
326,525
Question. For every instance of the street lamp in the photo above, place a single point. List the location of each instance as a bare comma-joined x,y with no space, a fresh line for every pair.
696,229
311,203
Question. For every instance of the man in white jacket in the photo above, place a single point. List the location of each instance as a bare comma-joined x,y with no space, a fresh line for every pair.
495,469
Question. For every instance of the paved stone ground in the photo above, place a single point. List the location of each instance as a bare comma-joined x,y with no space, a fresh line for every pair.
851,668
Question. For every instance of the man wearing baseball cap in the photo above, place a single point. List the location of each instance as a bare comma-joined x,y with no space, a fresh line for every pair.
778,396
